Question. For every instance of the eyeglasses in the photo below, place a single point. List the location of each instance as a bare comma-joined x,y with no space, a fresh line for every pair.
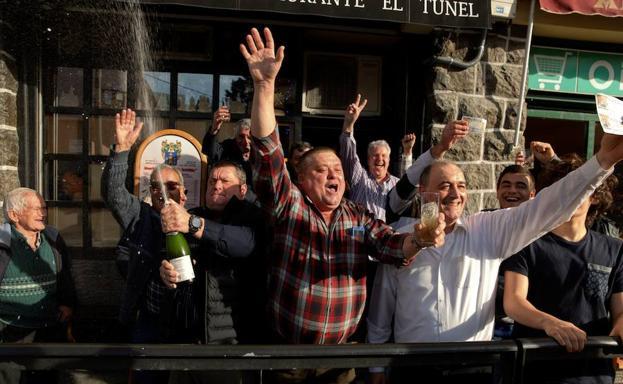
171,186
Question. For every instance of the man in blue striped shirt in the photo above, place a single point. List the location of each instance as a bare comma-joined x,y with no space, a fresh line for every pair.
369,188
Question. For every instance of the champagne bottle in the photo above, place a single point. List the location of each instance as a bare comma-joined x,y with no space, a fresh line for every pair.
178,253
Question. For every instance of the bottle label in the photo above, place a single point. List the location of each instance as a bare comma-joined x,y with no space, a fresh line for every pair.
184,266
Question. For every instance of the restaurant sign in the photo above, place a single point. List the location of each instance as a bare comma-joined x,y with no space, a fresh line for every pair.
450,13
574,71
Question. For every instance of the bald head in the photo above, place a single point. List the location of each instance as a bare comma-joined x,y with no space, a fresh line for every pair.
447,179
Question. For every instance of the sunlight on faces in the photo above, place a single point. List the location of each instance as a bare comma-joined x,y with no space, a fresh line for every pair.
33,217
175,190
378,162
322,179
223,184
243,140
449,181
514,189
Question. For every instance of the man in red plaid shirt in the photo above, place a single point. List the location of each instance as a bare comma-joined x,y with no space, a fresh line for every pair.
321,241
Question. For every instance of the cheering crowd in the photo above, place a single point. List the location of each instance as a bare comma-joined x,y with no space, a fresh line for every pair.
283,256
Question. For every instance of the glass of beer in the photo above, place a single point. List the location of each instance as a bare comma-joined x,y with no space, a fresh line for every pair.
429,214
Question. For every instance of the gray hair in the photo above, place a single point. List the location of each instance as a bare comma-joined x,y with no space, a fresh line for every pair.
161,167
242,124
378,143
15,200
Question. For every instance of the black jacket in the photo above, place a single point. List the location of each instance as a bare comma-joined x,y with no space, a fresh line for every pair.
229,290
139,250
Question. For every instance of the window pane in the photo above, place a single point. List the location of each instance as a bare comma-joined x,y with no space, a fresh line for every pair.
95,181
68,87
152,125
285,95
110,88
194,92
235,91
197,128
101,134
69,223
154,92
62,134
105,230
66,180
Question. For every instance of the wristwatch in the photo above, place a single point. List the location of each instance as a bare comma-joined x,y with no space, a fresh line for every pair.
194,223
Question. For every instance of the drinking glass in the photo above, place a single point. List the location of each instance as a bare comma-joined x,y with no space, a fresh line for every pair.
429,214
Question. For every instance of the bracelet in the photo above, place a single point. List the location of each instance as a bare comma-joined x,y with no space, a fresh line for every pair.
417,243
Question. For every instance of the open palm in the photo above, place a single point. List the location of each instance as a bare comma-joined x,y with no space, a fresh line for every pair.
127,129
263,63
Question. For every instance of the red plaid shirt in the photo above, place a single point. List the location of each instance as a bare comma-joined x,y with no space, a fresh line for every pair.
317,288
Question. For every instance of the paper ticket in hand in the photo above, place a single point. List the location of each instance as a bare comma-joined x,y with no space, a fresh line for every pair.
476,124
610,112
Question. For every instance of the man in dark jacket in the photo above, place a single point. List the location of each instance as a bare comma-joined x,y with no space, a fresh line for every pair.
227,294
37,294
142,243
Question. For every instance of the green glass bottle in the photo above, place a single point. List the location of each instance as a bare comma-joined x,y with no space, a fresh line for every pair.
178,253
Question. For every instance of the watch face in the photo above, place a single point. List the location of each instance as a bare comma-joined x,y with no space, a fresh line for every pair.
195,222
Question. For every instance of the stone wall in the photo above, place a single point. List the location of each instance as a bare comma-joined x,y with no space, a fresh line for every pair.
9,145
490,89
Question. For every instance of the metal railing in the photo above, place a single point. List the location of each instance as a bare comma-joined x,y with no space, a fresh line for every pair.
510,356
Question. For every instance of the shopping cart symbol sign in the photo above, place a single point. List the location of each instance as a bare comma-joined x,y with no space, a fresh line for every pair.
550,69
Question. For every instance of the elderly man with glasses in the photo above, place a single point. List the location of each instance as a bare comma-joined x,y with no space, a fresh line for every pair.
141,247
37,294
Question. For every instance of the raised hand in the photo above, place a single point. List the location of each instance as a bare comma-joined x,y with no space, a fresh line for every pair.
408,141
542,152
566,334
520,158
423,237
127,130
453,131
431,237
610,151
221,116
352,113
263,63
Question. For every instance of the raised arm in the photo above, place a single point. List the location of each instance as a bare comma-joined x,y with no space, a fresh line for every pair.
406,158
351,115
515,228
348,146
264,65
402,195
125,207
211,147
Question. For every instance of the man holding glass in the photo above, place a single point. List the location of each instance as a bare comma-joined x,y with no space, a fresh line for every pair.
448,292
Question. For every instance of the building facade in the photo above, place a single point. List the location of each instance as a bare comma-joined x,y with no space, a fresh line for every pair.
66,73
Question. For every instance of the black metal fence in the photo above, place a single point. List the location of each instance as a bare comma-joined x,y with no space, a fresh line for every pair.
510,356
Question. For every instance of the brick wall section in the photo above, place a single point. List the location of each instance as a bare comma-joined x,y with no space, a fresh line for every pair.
489,89
9,144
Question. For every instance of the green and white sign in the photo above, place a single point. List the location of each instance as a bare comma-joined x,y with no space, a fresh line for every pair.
573,71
